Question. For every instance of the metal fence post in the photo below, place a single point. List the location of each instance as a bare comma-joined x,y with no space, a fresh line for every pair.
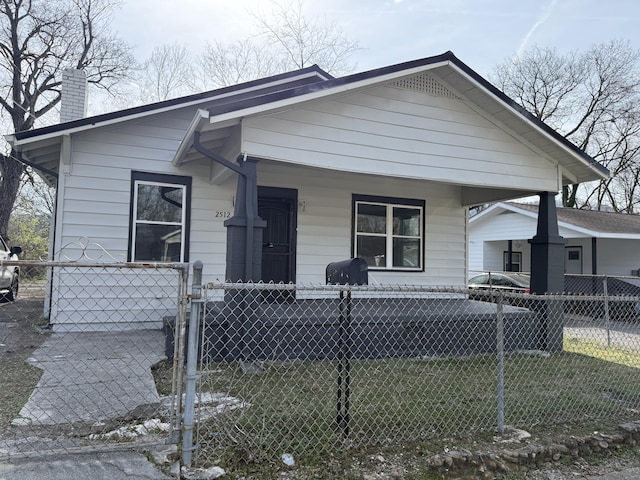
192,360
344,362
500,352
605,291
178,349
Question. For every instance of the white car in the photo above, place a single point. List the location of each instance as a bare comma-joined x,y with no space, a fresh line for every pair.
9,274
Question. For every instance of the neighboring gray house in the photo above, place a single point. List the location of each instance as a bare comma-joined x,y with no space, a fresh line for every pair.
381,164
596,242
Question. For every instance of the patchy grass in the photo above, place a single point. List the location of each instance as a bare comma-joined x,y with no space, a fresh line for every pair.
16,384
405,403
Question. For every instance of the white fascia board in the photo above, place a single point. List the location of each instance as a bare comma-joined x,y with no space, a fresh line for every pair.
200,119
521,211
583,231
325,92
487,212
491,211
619,236
586,232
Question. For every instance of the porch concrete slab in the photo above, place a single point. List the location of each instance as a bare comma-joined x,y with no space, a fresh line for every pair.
94,377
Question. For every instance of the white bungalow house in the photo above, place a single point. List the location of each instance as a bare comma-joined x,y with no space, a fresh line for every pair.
596,242
381,165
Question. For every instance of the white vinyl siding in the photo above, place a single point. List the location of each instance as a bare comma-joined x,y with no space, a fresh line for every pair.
383,142
96,204
488,240
488,236
325,222
323,235
400,133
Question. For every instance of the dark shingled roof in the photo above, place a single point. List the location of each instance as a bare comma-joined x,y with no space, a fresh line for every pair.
597,221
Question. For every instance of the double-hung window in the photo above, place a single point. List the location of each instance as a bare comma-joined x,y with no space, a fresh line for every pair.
389,232
159,225
516,262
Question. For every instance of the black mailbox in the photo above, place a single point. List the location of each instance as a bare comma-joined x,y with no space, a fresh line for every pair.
348,272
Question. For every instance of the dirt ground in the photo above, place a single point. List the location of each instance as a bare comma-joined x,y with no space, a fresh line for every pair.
595,467
21,332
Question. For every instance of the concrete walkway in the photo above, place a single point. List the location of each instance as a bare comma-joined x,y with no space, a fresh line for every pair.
97,466
94,377
627,474
88,379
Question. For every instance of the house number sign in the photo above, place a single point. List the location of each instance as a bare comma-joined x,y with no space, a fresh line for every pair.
222,214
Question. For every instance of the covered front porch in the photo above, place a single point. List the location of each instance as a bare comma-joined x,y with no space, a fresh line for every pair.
256,325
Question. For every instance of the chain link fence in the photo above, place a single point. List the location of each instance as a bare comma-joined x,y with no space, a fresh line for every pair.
307,370
78,342
94,356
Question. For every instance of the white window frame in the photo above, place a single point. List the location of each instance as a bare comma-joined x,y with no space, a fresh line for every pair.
184,220
390,205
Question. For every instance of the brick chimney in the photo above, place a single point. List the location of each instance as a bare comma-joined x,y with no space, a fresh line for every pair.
73,104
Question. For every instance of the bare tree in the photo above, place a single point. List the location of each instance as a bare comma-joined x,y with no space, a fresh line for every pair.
229,64
38,40
168,73
286,40
303,41
592,99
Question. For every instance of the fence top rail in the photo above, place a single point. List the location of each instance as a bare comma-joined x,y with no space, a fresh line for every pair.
332,287
122,265
411,289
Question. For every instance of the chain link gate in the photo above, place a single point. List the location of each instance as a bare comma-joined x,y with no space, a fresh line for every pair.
308,369
79,348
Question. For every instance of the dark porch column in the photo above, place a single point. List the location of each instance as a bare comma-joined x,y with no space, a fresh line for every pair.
244,229
547,271
244,262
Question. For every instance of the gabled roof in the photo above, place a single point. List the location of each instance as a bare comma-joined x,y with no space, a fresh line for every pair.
42,147
591,223
234,93
220,110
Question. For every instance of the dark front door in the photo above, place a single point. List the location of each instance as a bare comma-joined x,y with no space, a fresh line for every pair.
278,207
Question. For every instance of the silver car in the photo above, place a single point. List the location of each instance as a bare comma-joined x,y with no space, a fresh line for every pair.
9,274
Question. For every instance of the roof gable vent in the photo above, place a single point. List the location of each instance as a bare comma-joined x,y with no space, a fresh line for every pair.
424,83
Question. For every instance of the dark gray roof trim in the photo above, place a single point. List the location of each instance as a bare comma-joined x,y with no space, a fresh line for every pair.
260,97
320,76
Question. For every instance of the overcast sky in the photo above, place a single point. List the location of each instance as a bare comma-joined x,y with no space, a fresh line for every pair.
482,33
